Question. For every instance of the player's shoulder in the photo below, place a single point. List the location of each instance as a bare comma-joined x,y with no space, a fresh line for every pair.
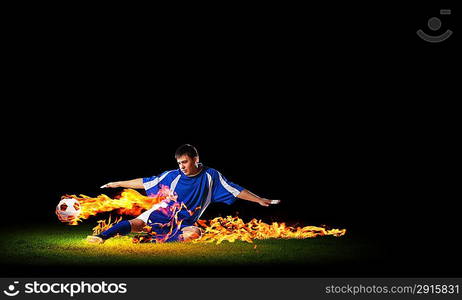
213,172
170,173
166,175
174,172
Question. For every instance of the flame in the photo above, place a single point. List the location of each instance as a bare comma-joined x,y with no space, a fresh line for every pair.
217,230
104,225
130,202
173,226
164,231
233,228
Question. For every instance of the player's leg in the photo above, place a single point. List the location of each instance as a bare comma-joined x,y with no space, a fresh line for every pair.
137,225
185,234
190,233
121,228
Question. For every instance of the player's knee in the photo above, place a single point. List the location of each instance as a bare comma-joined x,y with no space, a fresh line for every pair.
190,233
137,225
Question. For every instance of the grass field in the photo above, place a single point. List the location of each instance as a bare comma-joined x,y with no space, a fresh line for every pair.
45,250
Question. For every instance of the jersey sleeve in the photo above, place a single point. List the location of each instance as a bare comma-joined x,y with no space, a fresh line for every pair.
224,191
152,184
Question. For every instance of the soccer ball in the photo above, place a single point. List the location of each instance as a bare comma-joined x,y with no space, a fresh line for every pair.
68,209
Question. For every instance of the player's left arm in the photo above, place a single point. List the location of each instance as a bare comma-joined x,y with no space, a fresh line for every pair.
249,196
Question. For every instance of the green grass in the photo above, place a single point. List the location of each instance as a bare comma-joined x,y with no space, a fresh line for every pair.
65,245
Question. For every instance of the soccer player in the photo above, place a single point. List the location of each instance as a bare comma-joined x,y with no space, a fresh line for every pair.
196,186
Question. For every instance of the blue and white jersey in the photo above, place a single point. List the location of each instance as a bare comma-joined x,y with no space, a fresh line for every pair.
209,186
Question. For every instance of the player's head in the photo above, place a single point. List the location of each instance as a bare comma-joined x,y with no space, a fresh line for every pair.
188,159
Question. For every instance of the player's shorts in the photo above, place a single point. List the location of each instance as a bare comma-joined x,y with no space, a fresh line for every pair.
145,216
186,233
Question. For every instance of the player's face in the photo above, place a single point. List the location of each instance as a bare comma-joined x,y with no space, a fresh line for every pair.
187,164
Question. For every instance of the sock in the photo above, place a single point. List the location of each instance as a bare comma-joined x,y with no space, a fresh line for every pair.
121,228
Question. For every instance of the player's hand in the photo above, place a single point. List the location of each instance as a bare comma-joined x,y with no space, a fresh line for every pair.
267,202
110,185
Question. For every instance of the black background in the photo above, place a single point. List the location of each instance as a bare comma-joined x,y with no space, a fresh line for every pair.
340,111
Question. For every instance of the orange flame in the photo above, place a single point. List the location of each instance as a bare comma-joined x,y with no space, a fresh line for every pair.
233,228
174,225
130,202
217,230
104,225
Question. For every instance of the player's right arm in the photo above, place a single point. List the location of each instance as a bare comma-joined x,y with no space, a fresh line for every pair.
132,184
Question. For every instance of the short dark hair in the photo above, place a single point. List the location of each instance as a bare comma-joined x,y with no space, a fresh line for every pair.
187,149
